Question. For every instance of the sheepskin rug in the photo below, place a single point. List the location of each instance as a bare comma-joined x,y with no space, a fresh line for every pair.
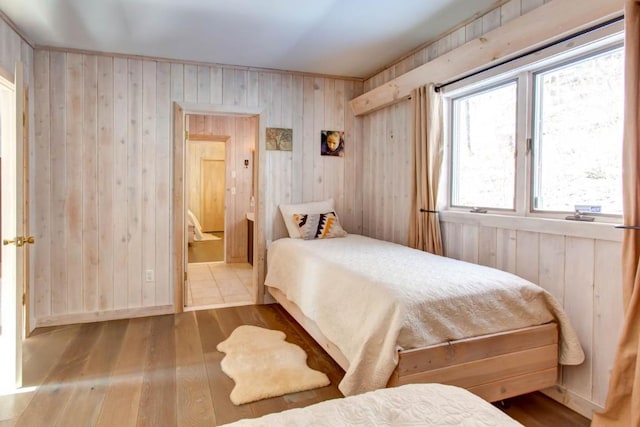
262,364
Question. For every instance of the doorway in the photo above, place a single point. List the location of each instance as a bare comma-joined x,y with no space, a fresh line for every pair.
206,202
219,193
14,226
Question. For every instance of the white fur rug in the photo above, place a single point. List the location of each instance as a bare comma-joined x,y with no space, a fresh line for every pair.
263,365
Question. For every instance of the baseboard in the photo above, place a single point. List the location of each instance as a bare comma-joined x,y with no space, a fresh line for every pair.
572,401
100,316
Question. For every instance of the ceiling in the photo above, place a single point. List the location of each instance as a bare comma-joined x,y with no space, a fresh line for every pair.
338,37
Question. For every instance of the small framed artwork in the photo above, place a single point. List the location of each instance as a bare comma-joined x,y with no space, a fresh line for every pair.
279,139
332,143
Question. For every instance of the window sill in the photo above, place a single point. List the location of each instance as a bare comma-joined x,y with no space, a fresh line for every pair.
589,230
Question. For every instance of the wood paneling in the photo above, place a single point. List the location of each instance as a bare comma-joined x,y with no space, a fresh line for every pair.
515,36
103,156
385,172
584,276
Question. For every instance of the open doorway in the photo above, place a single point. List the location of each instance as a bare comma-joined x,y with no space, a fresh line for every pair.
14,227
206,209
218,198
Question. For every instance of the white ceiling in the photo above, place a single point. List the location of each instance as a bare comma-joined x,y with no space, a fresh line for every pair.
338,37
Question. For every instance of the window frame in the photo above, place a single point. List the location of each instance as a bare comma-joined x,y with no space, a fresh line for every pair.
523,70
452,158
592,53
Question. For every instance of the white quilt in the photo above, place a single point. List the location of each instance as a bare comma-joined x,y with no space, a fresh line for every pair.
408,405
371,298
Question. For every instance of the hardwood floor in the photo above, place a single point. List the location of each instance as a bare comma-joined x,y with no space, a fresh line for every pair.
165,371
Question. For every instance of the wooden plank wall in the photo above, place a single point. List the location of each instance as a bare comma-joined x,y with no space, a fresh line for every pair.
583,273
387,132
13,49
103,140
386,185
240,134
454,38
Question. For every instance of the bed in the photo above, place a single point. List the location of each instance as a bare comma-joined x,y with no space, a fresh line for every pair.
390,315
410,405
194,229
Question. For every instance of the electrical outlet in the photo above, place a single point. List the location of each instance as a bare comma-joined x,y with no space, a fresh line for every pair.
148,275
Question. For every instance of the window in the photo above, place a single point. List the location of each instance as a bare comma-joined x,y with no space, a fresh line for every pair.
542,135
577,134
484,134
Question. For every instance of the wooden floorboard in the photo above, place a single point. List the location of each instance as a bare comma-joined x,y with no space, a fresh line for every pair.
158,402
194,401
122,400
165,371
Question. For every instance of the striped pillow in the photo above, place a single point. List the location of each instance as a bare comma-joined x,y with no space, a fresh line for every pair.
319,226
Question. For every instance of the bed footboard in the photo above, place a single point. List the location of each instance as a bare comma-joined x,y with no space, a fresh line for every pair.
495,366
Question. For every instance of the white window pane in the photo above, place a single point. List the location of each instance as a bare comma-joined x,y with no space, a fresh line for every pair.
578,135
484,144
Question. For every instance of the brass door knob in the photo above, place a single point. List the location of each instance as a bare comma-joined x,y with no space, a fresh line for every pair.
19,241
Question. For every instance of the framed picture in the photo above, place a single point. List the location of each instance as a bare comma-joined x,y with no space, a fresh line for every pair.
332,143
279,139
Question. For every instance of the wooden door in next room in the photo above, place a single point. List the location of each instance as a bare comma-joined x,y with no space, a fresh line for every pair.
212,196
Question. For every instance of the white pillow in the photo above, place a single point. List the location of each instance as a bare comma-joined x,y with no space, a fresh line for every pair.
287,212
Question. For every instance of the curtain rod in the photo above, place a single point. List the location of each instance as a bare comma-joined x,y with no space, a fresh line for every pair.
531,52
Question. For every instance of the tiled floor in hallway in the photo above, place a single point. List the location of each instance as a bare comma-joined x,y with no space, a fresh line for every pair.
217,283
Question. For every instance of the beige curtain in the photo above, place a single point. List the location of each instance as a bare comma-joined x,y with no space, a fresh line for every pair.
623,400
424,227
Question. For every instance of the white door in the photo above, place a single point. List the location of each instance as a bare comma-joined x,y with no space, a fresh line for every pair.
12,120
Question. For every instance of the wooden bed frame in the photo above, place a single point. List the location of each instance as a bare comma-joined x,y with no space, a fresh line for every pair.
495,366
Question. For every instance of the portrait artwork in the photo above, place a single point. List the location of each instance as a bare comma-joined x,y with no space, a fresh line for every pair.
332,143
279,139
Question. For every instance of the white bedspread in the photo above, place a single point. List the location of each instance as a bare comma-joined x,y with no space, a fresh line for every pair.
371,298
408,405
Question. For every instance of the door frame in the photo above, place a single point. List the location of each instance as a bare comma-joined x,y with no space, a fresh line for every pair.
14,262
178,208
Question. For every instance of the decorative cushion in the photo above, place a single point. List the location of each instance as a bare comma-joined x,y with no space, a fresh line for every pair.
319,226
309,208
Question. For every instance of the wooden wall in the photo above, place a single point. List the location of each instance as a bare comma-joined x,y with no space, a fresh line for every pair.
239,134
13,49
387,132
103,154
581,270
386,184
472,29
